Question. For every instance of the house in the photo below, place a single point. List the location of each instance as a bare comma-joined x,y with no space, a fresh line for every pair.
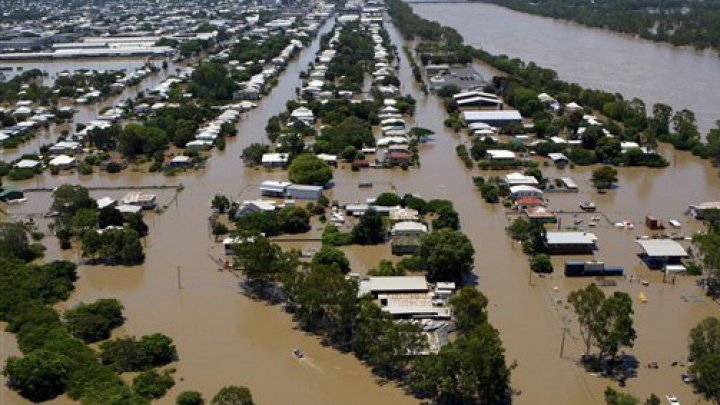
662,253
65,148
519,179
540,214
276,189
9,193
698,211
408,228
332,160
198,145
525,191
181,161
377,286
63,162
230,243
128,209
399,158
570,242
275,159
500,154
479,101
558,158
146,201
106,202
404,214
253,206
524,203
27,164
304,192
404,245
495,118
303,114
409,297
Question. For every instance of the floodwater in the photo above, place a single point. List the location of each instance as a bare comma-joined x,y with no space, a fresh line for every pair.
654,72
225,338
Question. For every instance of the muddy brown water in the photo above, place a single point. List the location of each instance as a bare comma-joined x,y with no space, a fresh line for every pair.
654,72
225,338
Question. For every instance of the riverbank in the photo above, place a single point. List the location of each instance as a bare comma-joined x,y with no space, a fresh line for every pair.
594,58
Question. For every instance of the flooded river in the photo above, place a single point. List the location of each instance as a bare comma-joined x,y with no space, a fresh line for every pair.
225,338
680,77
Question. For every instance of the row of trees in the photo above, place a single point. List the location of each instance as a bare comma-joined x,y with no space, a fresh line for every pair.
325,302
525,80
105,235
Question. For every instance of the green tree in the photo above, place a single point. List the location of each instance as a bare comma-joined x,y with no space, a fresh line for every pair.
613,397
616,328
233,395
190,398
109,216
705,351
252,154
370,229
388,200
470,370
447,217
323,300
447,255
94,322
262,262
540,263
152,385
14,242
307,168
604,177
386,268
294,219
469,308
331,256
587,304
38,376
384,344
68,199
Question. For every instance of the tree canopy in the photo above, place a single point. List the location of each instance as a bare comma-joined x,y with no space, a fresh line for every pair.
307,168
446,255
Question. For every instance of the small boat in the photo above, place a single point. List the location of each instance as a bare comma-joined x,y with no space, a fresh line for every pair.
674,223
588,206
642,297
365,184
298,353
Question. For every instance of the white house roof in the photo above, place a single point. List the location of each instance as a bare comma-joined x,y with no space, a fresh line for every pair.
662,248
571,238
490,116
520,179
409,226
62,160
394,283
27,164
524,188
275,158
500,154
105,202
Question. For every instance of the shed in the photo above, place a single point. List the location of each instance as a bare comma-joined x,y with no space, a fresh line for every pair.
662,248
10,193
304,192
272,188
393,284
495,118
571,242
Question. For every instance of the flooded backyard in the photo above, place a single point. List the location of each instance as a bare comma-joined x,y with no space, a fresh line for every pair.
225,338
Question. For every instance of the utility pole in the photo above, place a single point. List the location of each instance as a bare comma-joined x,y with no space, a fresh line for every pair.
179,279
562,344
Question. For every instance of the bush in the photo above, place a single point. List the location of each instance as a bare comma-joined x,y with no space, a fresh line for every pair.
152,385
130,354
85,169
233,395
189,398
329,256
94,322
39,376
541,263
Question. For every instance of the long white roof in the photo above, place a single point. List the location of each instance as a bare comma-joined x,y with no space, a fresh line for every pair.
662,248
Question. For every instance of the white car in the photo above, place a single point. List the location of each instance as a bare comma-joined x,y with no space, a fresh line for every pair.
672,400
